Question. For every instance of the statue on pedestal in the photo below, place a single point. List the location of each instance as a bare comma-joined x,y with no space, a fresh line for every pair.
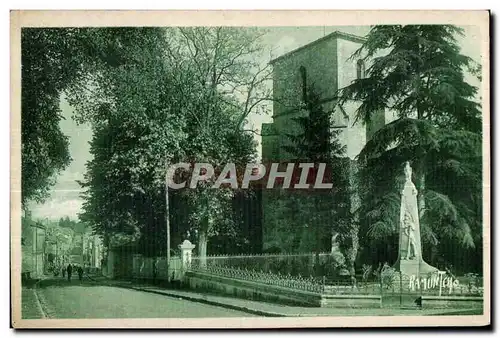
411,252
410,261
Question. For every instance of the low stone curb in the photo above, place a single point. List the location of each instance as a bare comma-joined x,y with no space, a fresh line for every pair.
38,301
204,301
211,302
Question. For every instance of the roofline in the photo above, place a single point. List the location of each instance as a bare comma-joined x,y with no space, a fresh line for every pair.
335,34
38,225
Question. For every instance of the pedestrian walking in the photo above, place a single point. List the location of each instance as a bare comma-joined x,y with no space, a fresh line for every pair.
80,272
69,269
63,271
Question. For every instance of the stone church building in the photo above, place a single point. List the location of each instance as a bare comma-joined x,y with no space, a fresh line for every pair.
327,65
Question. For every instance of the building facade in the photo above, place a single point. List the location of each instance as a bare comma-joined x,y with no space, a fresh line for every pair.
327,65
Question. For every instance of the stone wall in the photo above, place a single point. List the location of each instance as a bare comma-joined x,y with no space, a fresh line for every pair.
250,290
276,294
351,301
354,136
142,267
451,302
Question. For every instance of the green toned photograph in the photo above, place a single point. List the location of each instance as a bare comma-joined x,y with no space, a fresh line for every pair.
226,171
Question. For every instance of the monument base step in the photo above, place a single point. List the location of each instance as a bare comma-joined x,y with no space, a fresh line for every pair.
414,267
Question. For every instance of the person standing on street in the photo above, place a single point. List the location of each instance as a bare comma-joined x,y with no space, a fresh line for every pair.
69,269
80,272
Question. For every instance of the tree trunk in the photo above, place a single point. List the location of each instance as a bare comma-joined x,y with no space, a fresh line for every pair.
353,252
202,247
354,232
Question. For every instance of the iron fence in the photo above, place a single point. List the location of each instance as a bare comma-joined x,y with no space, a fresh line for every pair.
310,283
317,265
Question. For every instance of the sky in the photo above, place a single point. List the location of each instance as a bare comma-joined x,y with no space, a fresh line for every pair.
65,197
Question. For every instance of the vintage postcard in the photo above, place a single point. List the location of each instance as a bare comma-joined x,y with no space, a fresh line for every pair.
250,169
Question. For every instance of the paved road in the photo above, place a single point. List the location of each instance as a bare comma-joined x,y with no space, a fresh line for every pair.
63,299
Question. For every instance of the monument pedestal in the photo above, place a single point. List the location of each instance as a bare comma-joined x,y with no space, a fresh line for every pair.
408,267
414,267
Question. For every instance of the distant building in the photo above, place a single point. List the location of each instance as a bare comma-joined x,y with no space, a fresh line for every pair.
33,248
87,248
327,65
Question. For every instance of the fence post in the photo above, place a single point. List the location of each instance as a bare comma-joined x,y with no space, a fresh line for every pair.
186,250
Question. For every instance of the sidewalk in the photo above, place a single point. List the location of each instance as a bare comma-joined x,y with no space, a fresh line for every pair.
30,305
269,309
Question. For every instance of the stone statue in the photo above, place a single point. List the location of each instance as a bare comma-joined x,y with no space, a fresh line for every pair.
408,172
410,233
410,260
335,244
409,217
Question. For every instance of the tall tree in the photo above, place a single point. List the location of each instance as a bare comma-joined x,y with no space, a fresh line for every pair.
226,84
156,101
327,211
137,119
48,66
417,72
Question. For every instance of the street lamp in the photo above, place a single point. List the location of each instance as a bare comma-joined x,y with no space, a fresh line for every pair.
167,217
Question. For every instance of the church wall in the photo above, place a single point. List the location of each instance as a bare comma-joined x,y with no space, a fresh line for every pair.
328,66
355,134
319,61
270,147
